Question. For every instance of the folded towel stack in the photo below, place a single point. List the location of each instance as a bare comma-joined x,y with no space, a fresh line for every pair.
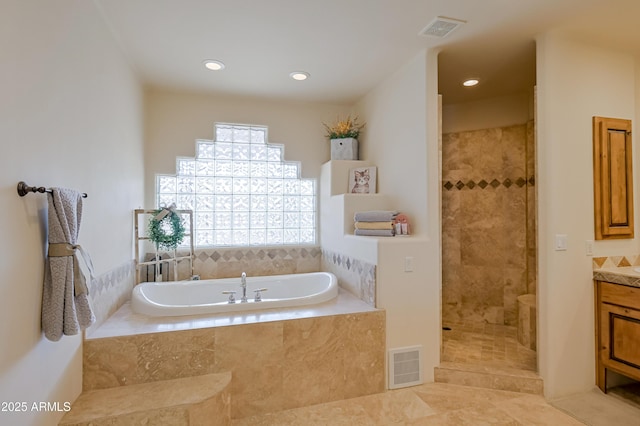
375,223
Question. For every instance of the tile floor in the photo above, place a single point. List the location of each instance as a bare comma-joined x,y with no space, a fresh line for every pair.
482,345
594,408
488,345
428,404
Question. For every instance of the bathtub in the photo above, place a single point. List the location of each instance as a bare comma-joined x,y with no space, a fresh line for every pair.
176,298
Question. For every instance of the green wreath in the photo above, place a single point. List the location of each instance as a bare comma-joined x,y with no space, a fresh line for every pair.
166,229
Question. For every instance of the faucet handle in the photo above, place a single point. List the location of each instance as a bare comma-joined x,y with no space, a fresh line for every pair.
258,293
232,295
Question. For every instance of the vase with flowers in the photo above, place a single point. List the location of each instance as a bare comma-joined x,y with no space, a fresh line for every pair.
344,138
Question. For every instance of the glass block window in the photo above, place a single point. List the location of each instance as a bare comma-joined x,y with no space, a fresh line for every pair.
242,191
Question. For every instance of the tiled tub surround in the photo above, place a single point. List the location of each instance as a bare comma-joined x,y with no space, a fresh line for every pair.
279,358
488,229
109,291
256,261
354,275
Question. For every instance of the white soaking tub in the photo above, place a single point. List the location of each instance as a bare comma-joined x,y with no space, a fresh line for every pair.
177,298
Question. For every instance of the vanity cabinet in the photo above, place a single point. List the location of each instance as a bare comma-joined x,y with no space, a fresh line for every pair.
617,331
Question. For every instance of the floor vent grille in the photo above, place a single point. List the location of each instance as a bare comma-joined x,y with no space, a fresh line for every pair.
405,367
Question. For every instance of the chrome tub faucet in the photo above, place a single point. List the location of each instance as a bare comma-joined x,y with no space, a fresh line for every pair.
243,283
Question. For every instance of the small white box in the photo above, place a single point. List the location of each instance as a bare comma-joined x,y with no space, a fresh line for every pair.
344,149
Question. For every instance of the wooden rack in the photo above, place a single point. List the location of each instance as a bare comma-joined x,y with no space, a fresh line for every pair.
157,262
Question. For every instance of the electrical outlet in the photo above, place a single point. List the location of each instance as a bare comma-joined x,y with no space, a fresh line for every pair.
408,264
588,247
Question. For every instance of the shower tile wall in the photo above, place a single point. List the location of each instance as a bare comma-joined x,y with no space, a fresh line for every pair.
532,234
487,247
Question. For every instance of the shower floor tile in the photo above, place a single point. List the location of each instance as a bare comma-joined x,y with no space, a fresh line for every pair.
492,345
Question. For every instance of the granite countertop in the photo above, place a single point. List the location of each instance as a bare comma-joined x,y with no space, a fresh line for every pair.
625,275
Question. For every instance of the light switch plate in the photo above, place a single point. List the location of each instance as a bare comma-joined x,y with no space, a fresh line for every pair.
408,264
561,242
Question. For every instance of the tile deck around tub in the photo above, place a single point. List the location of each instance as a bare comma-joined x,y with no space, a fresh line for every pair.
125,322
275,364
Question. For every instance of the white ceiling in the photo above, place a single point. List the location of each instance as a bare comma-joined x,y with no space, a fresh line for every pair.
348,46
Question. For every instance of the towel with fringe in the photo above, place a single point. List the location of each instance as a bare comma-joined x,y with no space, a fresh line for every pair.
374,225
375,232
376,216
65,298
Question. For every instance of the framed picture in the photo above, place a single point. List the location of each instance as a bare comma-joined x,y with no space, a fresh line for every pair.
362,180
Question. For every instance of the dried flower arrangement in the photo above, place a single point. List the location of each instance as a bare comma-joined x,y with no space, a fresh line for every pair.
347,128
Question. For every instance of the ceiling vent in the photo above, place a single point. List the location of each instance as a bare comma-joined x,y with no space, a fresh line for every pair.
441,27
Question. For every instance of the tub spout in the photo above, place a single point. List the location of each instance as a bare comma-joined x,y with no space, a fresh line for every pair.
243,283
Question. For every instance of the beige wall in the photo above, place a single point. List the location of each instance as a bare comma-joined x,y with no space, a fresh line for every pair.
402,141
488,113
575,82
71,116
395,138
174,121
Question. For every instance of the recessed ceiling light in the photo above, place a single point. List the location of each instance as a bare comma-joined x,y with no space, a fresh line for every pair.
213,65
299,75
470,82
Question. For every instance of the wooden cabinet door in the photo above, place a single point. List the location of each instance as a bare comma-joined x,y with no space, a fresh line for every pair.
620,344
617,331
613,178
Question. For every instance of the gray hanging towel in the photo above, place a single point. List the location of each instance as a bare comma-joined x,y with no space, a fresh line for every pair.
66,308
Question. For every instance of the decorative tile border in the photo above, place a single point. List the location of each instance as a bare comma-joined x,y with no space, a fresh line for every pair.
236,254
256,261
354,275
109,291
615,261
482,184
